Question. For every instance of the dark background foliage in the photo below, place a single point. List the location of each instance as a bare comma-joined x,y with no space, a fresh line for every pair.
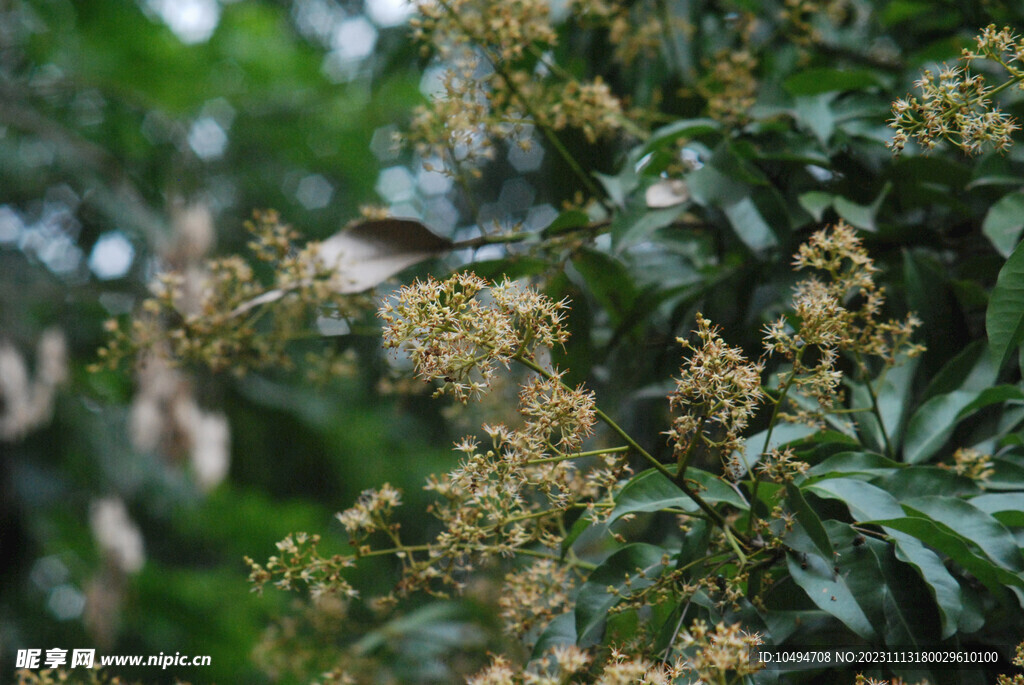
111,121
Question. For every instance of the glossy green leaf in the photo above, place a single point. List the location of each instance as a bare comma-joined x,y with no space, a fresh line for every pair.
932,424
1004,222
829,591
1009,475
1004,318
609,280
578,527
1007,508
814,112
957,548
971,369
638,223
852,463
808,518
639,562
922,480
867,502
816,203
650,491
893,395
861,216
971,524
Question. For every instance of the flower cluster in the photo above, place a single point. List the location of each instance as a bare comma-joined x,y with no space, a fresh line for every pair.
553,410
718,393
957,105
300,564
533,595
633,28
971,463
835,315
730,85
588,106
217,317
500,83
721,651
509,497
559,664
371,513
1018,661
454,336
781,466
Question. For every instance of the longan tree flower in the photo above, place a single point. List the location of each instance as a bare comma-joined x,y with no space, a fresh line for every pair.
533,595
557,413
371,512
958,106
455,336
971,463
718,392
781,466
501,83
722,651
225,317
839,314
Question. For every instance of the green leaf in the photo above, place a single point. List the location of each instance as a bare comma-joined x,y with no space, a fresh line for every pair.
609,280
971,524
932,424
829,591
876,578
650,490
1008,475
815,113
561,631
921,480
939,536
1004,222
852,463
910,611
750,226
808,518
632,568
581,524
867,502
816,202
639,222
893,394
684,128
1007,508
1004,318
970,369
861,216
824,80
565,222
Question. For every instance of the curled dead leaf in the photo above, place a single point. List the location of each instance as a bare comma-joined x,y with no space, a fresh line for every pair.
371,252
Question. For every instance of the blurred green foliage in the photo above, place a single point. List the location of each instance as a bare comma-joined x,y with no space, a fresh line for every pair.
112,123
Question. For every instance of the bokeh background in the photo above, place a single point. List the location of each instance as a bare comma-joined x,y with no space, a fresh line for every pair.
140,135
